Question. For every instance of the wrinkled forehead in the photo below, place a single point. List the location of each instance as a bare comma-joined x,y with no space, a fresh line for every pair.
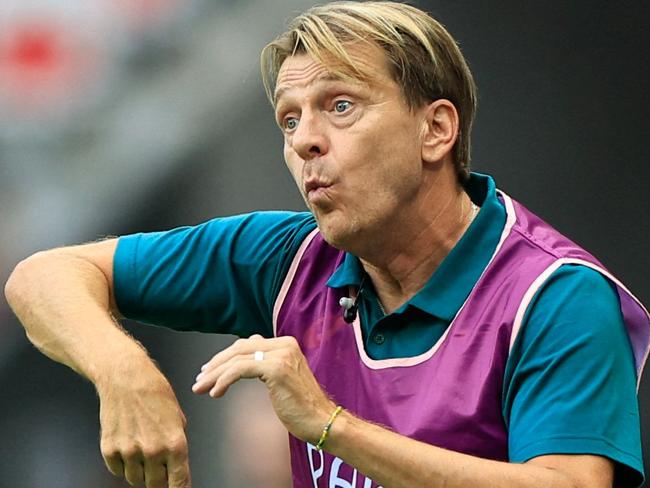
300,71
363,64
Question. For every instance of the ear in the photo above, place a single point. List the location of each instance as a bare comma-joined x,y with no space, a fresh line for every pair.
440,130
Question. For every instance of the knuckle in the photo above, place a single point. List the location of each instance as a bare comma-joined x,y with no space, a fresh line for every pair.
282,354
152,451
291,342
130,452
109,452
286,366
178,445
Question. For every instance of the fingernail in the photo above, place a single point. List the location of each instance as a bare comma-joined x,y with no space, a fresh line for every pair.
198,376
204,366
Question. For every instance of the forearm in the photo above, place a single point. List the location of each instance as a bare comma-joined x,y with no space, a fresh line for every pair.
389,459
63,302
393,461
63,299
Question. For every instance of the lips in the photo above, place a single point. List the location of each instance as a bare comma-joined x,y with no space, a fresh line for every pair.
313,185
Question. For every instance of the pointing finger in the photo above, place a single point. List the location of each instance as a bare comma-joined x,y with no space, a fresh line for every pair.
236,370
208,378
244,346
237,347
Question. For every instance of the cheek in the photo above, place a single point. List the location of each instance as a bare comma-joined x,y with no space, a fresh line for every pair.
396,170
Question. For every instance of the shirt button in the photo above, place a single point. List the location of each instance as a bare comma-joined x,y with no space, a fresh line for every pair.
379,339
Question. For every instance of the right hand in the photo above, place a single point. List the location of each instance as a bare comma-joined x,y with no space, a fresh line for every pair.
143,431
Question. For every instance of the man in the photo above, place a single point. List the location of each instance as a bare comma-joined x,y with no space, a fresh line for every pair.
417,328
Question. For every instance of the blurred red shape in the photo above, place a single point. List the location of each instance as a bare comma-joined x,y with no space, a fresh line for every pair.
42,64
32,50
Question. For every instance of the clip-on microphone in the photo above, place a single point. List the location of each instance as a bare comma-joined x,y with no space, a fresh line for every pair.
351,306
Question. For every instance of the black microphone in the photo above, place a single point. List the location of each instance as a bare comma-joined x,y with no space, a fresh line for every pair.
350,306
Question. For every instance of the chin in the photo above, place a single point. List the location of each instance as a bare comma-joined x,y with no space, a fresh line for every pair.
337,231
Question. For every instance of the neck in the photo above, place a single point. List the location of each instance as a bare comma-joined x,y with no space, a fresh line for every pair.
415,246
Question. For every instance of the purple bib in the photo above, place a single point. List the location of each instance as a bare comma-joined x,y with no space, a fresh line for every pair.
449,396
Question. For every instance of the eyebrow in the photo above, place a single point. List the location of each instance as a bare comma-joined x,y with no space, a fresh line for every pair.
280,90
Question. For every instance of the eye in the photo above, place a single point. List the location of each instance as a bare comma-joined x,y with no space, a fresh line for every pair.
342,106
290,123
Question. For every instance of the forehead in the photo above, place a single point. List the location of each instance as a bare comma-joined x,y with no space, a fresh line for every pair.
369,67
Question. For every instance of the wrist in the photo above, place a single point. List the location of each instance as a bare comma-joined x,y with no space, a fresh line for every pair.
130,366
345,431
328,426
340,423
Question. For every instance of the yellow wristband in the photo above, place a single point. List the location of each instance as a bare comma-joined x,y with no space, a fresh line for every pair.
328,426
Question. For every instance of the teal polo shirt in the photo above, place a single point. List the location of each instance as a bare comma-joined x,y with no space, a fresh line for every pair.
417,324
569,386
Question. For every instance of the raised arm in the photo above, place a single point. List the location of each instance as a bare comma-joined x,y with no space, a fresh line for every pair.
64,298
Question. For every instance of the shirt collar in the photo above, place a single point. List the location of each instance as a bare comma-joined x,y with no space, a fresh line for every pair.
349,273
449,286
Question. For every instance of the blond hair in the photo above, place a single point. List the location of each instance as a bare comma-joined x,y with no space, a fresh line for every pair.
423,57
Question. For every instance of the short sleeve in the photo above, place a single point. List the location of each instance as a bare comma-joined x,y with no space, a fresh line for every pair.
570,382
221,276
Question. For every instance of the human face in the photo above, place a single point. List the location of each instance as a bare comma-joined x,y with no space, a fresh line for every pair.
353,148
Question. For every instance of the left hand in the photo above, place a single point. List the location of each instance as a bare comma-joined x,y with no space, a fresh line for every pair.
297,398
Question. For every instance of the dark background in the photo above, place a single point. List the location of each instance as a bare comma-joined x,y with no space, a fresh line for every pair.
170,126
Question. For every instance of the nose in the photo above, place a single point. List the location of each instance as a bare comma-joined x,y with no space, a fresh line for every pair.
309,139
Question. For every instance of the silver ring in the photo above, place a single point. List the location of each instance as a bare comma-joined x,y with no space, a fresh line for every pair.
258,356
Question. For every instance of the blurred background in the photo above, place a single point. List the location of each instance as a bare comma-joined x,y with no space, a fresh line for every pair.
119,116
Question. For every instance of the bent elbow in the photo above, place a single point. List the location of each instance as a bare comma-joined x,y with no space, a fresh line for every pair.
15,286
23,278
